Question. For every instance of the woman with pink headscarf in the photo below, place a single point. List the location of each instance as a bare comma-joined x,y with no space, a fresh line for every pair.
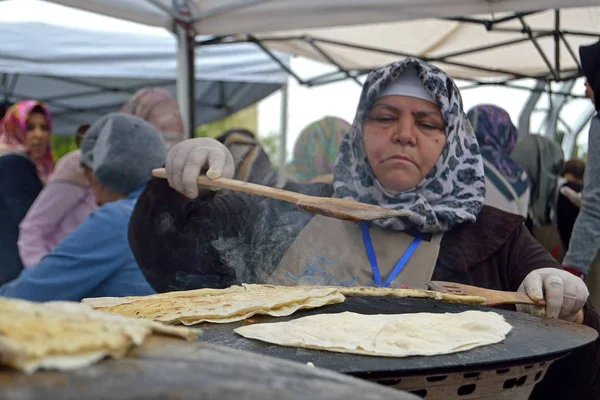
26,161
27,129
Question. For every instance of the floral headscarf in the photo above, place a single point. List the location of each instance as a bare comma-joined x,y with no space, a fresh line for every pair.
452,193
497,137
13,130
317,148
158,107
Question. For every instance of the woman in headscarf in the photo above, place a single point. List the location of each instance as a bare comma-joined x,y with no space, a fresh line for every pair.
542,159
158,107
64,203
316,149
410,148
27,129
506,183
25,162
252,163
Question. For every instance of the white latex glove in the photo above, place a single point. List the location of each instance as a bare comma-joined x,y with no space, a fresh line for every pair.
565,294
572,195
187,159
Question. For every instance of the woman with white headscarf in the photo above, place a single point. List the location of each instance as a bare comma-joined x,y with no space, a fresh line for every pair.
410,148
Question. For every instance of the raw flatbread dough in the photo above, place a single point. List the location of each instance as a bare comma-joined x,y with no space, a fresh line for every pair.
65,335
393,335
228,305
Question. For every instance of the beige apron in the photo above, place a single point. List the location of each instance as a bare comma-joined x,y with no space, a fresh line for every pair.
331,252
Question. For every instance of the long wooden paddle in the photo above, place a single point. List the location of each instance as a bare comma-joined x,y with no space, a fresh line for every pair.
331,207
492,297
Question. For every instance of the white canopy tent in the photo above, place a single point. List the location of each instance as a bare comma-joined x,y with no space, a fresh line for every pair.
84,65
225,17
498,49
502,41
503,46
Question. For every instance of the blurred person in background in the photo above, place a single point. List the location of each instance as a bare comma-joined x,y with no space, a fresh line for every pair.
316,149
158,107
506,182
64,203
118,154
26,160
252,163
543,160
81,131
568,199
584,245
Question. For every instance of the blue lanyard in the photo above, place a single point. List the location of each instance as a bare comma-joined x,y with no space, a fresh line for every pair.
373,259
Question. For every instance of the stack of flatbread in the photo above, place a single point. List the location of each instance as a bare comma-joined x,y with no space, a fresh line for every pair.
219,306
64,335
400,335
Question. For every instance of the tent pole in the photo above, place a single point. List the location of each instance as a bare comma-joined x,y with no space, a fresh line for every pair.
282,154
186,83
525,117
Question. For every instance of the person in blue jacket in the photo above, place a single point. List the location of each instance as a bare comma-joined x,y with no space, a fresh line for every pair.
118,153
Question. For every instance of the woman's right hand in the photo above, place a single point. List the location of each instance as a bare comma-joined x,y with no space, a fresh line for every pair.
186,160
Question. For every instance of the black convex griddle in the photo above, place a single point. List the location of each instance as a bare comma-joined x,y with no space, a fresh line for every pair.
514,365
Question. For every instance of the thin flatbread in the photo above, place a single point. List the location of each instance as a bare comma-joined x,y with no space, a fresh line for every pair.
65,335
393,335
99,302
415,293
228,306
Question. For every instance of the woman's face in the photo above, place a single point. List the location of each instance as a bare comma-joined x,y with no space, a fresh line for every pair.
403,138
36,139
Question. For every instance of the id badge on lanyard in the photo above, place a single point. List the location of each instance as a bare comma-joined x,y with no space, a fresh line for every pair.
364,227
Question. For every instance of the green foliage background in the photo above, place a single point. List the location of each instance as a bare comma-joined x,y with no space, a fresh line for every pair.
61,145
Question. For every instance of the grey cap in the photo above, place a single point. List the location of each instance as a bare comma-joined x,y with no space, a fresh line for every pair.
122,150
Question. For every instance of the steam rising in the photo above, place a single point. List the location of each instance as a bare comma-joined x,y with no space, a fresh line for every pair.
254,256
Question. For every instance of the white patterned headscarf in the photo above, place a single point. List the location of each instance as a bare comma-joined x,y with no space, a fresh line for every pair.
452,193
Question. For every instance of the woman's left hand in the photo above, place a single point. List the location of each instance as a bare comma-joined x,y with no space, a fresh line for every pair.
565,294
